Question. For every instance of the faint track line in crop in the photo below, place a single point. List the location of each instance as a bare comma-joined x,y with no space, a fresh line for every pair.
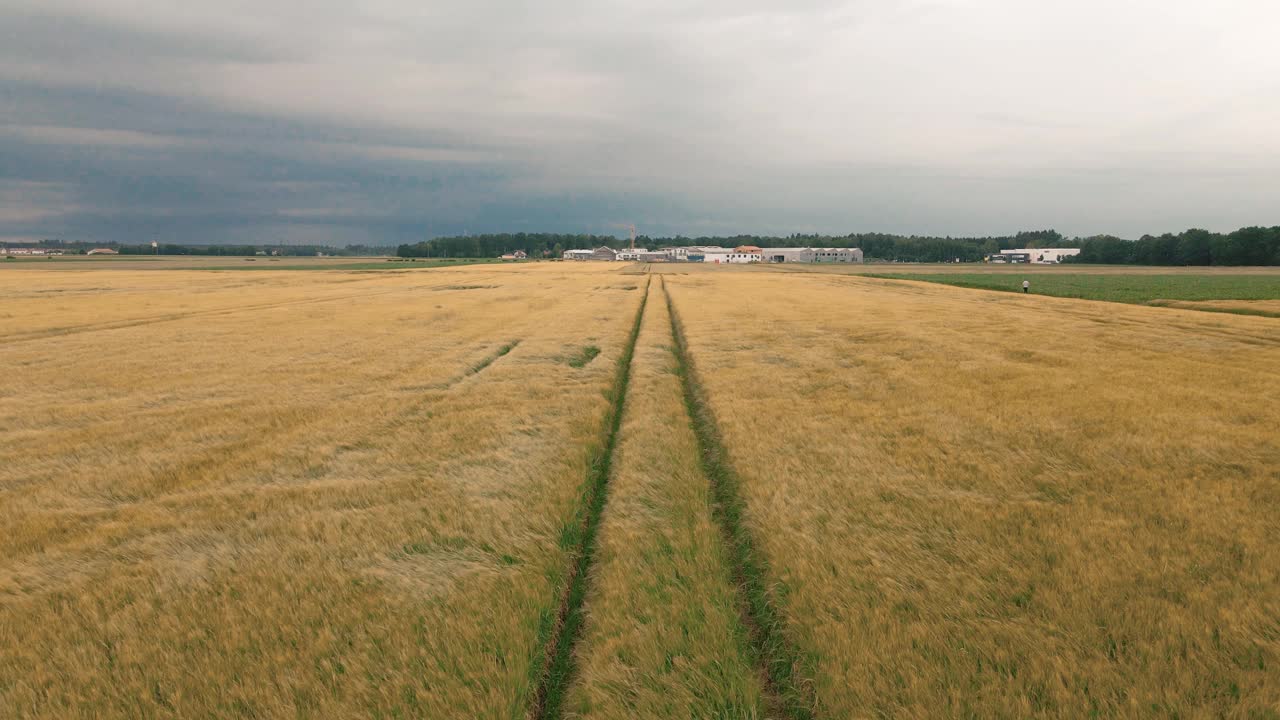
212,312
786,694
213,459
490,359
579,538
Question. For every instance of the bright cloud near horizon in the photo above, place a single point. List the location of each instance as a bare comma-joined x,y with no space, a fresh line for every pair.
389,121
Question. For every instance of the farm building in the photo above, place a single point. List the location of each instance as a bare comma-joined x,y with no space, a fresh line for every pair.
30,251
643,255
812,255
103,251
721,255
696,253
726,256
1038,256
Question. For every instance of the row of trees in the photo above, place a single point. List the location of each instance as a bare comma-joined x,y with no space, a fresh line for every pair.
79,248
493,245
1246,246
239,250
896,248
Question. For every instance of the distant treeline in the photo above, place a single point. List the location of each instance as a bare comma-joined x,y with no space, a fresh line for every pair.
282,250
1246,246
535,244
78,247
898,248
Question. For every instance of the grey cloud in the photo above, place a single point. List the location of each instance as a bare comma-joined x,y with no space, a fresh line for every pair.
392,119
42,38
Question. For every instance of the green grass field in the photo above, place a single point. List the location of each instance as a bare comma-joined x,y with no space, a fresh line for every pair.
1115,288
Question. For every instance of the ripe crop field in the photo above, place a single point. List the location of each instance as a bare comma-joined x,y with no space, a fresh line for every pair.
602,490
1265,308
984,504
344,498
224,263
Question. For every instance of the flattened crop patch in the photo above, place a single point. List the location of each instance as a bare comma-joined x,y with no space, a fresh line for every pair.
583,356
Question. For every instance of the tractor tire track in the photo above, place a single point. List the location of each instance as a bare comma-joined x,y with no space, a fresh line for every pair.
777,662
559,636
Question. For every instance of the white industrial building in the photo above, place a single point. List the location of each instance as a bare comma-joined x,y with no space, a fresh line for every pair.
743,254
724,256
28,251
1037,256
698,253
812,255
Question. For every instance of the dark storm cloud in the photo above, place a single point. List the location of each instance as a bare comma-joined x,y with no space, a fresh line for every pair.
187,171
387,121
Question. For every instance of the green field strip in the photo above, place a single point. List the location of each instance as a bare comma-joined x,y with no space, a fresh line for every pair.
1133,289
779,662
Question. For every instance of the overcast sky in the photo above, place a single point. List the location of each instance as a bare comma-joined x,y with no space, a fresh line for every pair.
386,121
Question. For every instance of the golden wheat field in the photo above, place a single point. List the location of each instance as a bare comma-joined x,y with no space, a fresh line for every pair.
1265,308
291,495
604,490
980,505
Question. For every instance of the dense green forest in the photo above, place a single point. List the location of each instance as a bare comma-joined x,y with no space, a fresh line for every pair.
1246,246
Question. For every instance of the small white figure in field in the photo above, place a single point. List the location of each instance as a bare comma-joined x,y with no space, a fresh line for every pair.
1026,286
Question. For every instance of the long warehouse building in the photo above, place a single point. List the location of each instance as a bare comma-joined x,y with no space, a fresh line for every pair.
811,255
